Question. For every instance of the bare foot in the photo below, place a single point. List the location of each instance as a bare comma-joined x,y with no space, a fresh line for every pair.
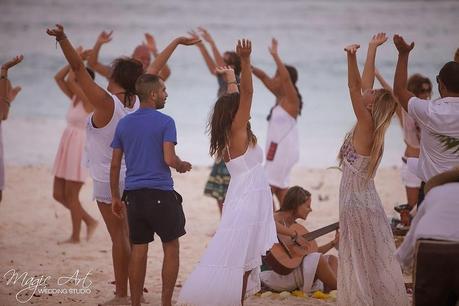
70,240
118,301
91,228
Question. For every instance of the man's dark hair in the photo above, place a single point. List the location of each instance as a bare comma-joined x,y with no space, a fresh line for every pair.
449,75
145,84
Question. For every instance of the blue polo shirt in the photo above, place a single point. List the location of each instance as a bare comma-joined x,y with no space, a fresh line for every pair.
141,136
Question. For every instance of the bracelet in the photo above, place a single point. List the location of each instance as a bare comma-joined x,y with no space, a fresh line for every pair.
232,82
61,38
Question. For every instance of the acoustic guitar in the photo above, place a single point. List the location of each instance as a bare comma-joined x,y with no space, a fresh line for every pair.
288,254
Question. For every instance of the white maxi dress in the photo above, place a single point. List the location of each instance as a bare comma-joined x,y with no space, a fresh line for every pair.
246,231
368,273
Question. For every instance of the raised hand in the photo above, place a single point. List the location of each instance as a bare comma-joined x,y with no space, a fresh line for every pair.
193,34
205,34
57,31
401,45
188,41
150,42
227,72
352,49
12,62
273,48
244,48
105,37
378,39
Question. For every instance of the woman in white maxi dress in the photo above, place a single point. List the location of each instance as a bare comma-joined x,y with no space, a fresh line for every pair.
229,269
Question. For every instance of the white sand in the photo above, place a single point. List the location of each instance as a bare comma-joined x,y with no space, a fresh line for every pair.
31,223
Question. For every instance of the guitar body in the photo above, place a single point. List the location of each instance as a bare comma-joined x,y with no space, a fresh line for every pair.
287,255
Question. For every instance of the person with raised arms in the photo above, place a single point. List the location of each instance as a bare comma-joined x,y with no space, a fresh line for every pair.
109,107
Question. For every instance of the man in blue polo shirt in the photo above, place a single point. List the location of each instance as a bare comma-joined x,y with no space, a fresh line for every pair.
147,138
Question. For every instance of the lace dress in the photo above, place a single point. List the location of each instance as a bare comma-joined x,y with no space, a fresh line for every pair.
369,274
246,231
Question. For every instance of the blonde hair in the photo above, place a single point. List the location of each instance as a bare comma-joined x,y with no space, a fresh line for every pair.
384,106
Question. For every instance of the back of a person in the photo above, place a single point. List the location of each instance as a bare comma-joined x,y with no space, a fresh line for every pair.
442,213
442,122
98,140
143,134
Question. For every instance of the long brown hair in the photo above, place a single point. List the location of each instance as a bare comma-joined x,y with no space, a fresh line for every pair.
384,106
125,72
294,197
219,125
415,82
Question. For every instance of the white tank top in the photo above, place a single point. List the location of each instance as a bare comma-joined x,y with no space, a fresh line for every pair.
98,141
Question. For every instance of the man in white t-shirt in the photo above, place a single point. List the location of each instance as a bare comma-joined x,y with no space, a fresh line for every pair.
438,119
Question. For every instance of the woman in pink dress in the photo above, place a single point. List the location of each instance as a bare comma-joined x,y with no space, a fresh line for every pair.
69,171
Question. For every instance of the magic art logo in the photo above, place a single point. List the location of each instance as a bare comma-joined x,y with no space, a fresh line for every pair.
37,285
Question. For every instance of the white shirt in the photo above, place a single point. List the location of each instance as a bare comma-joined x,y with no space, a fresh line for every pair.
98,141
435,117
437,218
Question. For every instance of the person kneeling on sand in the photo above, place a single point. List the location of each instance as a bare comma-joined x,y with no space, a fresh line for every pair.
317,271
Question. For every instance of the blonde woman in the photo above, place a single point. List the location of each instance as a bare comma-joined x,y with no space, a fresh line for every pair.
369,273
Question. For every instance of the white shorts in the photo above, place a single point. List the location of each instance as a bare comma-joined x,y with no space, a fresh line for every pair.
409,179
102,192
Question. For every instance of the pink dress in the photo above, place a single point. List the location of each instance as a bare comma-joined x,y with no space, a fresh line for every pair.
68,164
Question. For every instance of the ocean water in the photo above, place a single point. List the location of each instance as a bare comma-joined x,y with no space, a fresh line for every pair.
311,37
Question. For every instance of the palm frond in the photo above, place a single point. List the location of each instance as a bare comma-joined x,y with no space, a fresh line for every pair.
448,142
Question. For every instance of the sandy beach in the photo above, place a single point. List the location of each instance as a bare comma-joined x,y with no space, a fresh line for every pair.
31,224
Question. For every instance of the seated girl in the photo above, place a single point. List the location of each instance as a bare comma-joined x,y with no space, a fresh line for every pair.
317,271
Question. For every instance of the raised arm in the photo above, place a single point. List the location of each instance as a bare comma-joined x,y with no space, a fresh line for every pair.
205,54
368,76
292,101
386,86
78,92
97,96
5,87
164,56
401,71
269,82
93,59
382,81
165,73
61,81
217,55
243,49
355,85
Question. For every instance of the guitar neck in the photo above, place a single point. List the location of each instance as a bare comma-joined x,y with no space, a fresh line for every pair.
321,231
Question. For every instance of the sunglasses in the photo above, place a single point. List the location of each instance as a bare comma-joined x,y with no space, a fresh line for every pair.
425,90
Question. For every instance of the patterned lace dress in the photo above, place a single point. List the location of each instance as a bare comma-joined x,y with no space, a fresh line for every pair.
368,274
